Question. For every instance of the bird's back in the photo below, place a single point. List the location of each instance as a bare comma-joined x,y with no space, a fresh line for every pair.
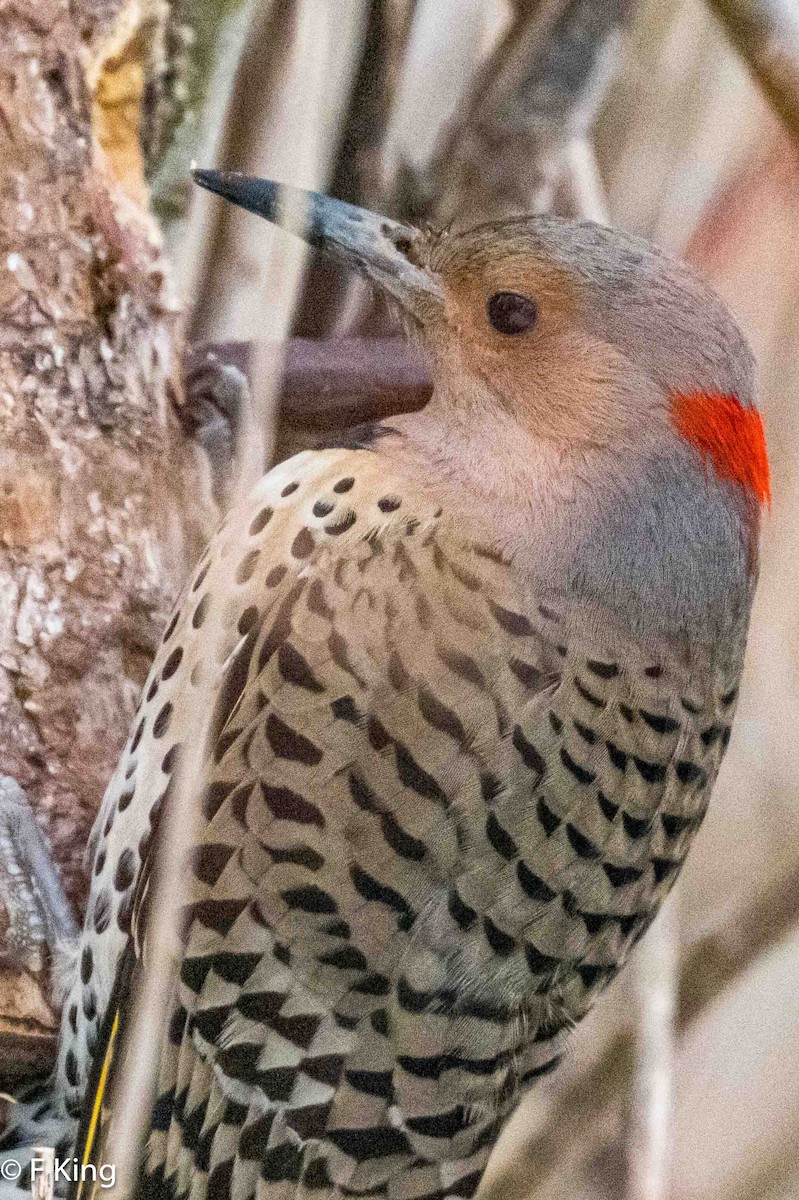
436,814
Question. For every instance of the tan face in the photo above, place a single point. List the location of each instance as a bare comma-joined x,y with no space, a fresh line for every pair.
521,326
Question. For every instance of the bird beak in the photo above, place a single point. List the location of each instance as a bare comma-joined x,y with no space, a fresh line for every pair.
377,247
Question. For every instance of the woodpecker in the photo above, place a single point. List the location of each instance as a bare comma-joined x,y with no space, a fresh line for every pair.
470,674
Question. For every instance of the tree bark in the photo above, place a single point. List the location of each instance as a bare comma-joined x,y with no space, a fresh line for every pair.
104,500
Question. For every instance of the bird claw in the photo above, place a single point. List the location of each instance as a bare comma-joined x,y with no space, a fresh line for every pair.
34,912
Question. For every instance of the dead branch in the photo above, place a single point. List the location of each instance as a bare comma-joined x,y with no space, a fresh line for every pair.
766,34
538,92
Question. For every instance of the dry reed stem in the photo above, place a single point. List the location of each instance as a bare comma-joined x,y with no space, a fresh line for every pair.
766,34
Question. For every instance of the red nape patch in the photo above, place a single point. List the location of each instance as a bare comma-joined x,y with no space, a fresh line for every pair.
728,434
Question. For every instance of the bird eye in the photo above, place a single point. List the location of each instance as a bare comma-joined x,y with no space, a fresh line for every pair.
511,313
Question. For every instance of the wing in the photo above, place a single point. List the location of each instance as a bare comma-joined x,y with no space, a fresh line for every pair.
400,893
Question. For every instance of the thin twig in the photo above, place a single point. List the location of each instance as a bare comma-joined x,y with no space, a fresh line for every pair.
653,1085
766,34
538,92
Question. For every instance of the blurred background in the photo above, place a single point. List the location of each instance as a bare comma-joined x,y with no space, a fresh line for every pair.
676,119
456,110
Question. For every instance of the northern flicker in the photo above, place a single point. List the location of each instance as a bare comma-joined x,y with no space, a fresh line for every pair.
475,672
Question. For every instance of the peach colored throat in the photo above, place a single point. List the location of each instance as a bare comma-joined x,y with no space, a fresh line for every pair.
728,435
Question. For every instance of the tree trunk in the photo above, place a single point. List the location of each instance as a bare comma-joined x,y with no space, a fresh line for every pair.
104,501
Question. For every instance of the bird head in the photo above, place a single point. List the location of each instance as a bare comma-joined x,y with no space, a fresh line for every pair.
594,362
586,336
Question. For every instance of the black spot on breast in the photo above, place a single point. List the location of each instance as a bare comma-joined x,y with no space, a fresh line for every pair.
286,805
371,1083
274,577
260,521
688,772
345,958
591,975
71,1068
462,914
500,839
246,568
161,722
441,1125
310,899
607,807
210,861
531,758
499,941
617,756
414,777
675,825
323,508
248,620
650,771
580,843
200,612
511,622
538,963
124,799
585,732
364,1145
548,819
580,773
380,893
556,723
594,701
635,827
440,717
303,543
172,663
137,735
86,964
663,867
345,709
388,504
535,887
728,697
99,862
621,876
125,871
603,669
402,842
288,744
200,577
712,734
343,485
170,629
374,984
296,670
659,723
653,672
342,525
152,691
101,916
289,489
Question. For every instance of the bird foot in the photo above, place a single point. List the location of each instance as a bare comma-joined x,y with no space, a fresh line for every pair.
35,914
